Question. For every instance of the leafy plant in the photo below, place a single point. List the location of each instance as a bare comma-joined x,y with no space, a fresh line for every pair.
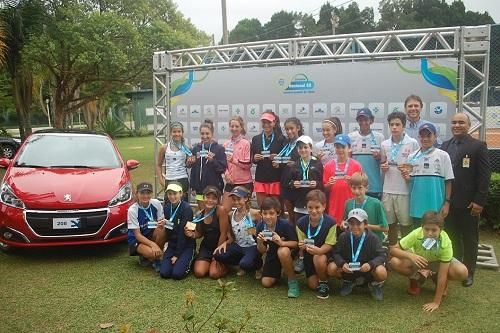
4,132
491,212
111,127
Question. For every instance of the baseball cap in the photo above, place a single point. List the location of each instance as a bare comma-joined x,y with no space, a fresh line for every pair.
364,112
212,190
358,214
342,139
144,187
175,187
267,116
305,139
428,126
240,192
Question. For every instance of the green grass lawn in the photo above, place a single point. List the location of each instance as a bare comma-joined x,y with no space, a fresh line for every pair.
75,289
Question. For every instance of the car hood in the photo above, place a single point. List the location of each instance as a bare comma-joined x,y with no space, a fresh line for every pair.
44,188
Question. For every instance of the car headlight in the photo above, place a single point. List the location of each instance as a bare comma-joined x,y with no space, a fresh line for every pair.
7,197
123,195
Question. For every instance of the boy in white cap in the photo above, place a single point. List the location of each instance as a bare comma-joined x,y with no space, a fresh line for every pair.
358,257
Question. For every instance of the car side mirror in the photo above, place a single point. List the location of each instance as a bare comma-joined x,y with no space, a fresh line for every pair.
4,163
132,164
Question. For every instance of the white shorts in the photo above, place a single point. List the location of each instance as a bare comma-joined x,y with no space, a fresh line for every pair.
397,208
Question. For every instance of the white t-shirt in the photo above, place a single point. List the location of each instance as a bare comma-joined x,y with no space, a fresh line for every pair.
175,164
328,148
394,183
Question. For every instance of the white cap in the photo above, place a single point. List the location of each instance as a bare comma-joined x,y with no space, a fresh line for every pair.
359,214
305,139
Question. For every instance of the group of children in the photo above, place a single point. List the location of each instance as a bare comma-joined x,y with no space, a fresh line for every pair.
331,192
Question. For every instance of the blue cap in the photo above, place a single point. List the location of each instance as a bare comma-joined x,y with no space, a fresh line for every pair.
342,139
240,192
364,112
428,126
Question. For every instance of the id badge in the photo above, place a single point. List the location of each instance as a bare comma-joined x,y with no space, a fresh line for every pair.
428,243
229,151
152,224
374,149
169,225
203,153
268,235
285,159
305,183
354,266
392,163
190,226
466,162
339,175
265,153
309,242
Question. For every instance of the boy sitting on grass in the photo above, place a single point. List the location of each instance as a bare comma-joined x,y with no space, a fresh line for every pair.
427,252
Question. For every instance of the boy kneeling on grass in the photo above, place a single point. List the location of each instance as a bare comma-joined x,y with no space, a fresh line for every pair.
427,252
358,258
146,227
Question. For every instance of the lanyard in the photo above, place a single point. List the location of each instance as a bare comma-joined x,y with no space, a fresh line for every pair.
420,154
395,148
337,169
362,205
201,157
287,150
234,141
372,138
203,146
264,147
148,212
305,169
267,227
360,245
172,215
183,148
196,220
247,220
309,235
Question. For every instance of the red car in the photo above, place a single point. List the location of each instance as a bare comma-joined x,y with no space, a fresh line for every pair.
65,188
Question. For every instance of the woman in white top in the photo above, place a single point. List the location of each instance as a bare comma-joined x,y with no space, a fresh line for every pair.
325,150
177,157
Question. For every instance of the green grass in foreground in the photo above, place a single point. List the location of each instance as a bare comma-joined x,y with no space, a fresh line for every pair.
75,289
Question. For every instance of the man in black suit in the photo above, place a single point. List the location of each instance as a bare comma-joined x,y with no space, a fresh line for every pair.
472,170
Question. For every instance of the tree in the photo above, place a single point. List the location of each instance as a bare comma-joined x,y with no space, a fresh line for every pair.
281,25
247,30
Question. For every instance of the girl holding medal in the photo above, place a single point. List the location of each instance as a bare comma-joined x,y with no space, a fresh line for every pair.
176,156
325,150
240,248
286,158
264,148
212,225
238,171
210,163
336,176
179,255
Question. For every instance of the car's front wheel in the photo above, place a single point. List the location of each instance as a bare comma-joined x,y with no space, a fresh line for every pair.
8,151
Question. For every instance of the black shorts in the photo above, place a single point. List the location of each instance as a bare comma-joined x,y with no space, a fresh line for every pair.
230,187
287,194
309,265
272,268
366,276
205,254
132,248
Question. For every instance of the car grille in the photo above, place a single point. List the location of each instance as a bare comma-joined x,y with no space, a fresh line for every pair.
91,221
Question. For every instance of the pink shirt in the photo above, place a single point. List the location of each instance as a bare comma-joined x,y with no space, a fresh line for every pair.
340,191
238,170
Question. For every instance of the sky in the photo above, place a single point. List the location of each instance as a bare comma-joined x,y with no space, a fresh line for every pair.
206,14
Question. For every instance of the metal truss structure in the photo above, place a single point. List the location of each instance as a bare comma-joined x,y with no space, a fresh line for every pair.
469,45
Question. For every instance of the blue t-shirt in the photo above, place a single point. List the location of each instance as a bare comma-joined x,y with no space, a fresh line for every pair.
362,146
284,229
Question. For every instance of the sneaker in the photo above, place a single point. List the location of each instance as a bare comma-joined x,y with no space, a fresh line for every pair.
157,265
298,265
414,288
322,290
293,289
258,274
376,291
144,262
346,287
240,272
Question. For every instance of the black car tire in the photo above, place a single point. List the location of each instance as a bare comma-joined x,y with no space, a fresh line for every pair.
8,151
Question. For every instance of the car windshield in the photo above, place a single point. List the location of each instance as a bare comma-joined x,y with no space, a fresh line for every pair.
68,151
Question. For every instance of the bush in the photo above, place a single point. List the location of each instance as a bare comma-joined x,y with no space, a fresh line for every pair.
4,132
111,127
491,213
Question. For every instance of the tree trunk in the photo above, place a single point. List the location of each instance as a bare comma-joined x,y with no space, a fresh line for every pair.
23,95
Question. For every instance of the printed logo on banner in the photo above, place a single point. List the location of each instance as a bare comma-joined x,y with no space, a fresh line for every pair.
438,110
238,110
223,111
195,111
253,128
379,127
302,110
319,110
285,111
182,111
378,109
441,130
194,127
354,108
307,128
223,129
267,107
317,131
253,111
209,110
396,107
338,109
298,84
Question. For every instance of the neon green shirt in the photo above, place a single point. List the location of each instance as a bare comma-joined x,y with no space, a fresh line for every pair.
442,251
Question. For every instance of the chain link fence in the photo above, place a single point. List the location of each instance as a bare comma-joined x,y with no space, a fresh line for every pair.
493,107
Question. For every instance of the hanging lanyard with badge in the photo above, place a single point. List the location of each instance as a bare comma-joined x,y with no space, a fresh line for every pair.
266,152
203,153
171,221
395,148
340,174
305,182
268,233
183,148
309,241
229,149
151,222
284,155
374,147
191,225
355,265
